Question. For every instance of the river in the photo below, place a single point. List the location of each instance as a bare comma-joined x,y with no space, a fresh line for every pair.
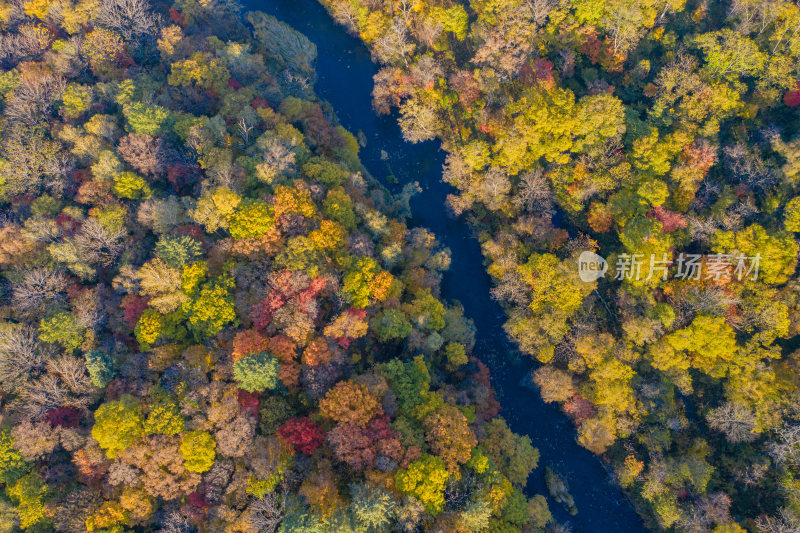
344,78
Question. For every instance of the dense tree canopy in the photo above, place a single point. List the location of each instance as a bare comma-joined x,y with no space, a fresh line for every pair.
213,318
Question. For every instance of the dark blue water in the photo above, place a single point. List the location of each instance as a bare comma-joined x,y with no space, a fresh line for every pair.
344,78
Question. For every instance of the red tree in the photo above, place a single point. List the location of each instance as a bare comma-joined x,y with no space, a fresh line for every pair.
670,220
134,306
579,409
305,435
248,401
351,445
792,98
68,417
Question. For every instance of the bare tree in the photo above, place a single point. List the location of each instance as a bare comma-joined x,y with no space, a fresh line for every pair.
707,300
706,512
787,448
406,10
39,396
395,44
28,43
265,514
533,193
22,356
72,373
540,9
493,188
147,154
418,121
173,521
244,130
89,310
278,158
427,31
345,14
512,289
735,420
132,19
703,228
748,167
39,290
32,100
754,16
752,474
738,214
98,245
785,522
31,158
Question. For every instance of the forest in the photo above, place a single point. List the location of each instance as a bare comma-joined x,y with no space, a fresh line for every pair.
212,318
666,130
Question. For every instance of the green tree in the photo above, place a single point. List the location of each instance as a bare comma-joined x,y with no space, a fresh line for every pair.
63,328
453,19
391,324
202,70
511,453
256,372
730,55
9,518
329,173
338,206
456,355
791,215
708,343
552,287
100,367
178,250
539,511
146,119
149,328
476,516
515,509
355,285
426,312
409,380
214,209
107,167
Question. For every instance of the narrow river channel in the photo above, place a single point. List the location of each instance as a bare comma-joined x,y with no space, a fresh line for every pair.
344,78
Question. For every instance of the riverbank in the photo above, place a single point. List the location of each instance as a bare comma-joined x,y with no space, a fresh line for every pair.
344,78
